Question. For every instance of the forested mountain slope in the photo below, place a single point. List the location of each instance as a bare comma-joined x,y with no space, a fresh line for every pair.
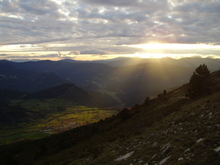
26,80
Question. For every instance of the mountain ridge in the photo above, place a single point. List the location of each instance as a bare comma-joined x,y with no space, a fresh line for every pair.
26,80
68,92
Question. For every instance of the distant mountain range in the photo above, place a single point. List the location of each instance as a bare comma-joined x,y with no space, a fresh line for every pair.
129,80
26,80
190,62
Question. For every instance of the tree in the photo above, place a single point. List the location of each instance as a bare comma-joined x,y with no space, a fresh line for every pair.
164,92
124,114
199,84
147,101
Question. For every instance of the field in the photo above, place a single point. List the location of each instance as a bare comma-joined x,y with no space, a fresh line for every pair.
58,116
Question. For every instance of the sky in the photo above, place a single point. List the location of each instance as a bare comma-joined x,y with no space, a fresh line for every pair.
105,29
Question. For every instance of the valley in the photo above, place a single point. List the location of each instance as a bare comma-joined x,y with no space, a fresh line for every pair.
55,116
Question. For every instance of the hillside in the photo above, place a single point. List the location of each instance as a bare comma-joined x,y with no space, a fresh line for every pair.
26,80
169,130
6,95
38,114
133,83
78,73
22,107
76,95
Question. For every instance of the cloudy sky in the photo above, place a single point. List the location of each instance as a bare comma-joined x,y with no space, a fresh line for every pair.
93,29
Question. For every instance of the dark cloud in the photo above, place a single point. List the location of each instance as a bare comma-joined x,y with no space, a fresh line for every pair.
34,56
7,6
73,53
200,7
4,54
40,7
93,51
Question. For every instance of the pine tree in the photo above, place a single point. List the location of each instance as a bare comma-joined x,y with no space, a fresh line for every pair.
124,114
147,101
199,82
164,92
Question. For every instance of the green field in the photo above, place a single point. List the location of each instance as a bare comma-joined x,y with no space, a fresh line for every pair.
59,116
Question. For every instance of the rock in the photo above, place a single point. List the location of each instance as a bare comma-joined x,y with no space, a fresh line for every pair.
217,149
180,159
124,156
187,150
166,148
164,160
210,115
200,140
154,156
155,144
141,161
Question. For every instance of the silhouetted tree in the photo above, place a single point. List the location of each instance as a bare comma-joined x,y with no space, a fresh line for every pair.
124,114
199,82
164,92
159,95
147,101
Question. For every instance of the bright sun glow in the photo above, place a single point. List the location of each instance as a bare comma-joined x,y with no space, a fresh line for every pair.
149,55
159,50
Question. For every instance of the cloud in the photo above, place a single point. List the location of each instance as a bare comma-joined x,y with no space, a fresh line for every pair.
4,54
93,51
73,53
33,56
112,2
103,26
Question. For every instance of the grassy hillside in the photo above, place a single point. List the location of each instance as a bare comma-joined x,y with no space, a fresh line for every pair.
171,130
